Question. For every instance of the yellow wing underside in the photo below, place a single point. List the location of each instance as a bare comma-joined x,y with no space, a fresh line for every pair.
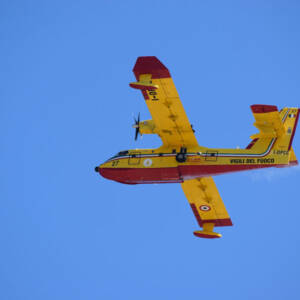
206,202
162,99
173,127
169,116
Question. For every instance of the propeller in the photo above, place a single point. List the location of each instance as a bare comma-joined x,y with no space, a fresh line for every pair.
136,126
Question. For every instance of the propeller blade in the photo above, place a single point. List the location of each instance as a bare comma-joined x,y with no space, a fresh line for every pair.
137,130
136,126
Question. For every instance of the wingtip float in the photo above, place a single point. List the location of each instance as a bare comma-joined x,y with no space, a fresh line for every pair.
182,160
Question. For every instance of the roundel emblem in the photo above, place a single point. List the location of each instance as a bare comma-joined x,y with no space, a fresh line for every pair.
205,207
147,162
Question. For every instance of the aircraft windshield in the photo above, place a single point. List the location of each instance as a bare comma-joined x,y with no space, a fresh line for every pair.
121,153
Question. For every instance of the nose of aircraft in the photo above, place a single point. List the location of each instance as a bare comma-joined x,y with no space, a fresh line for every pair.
99,169
102,171
110,173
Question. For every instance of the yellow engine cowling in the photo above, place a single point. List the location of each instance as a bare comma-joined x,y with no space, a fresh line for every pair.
147,127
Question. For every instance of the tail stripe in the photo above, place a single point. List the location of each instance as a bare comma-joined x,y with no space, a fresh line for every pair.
286,114
294,130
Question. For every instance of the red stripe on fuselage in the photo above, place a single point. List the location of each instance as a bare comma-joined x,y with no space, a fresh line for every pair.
142,175
174,174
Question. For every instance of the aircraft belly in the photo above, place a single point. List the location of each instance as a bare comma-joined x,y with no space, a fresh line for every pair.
195,171
142,175
171,174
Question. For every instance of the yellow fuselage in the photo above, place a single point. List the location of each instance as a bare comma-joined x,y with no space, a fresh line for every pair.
164,165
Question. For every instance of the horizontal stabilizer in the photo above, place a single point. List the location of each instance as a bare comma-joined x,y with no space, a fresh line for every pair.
274,125
267,121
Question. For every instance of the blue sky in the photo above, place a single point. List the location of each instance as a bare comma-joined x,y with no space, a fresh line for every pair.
66,233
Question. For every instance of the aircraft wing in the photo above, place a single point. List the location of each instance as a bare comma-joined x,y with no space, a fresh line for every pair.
158,89
207,205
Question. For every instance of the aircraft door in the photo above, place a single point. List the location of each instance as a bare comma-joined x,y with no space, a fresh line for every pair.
168,173
134,158
211,155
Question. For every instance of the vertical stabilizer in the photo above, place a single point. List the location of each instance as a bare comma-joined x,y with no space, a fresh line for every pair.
273,124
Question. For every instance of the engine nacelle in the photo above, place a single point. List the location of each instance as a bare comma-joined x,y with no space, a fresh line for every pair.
147,127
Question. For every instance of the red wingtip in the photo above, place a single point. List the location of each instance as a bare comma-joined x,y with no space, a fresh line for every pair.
262,108
293,163
150,65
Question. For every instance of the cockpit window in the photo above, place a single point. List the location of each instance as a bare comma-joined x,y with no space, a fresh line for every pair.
122,153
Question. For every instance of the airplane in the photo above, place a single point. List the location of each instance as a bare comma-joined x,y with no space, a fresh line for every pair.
180,159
